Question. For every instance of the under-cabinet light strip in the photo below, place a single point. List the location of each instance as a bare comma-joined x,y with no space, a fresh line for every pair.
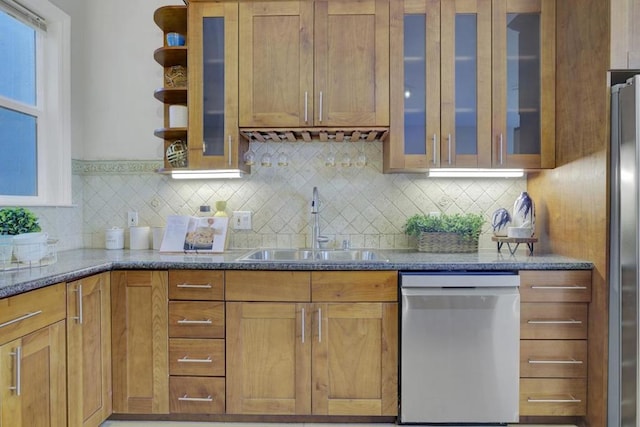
475,173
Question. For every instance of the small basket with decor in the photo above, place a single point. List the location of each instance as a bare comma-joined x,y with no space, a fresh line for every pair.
454,233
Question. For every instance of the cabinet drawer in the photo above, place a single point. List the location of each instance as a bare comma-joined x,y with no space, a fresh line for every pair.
553,358
196,395
25,313
198,357
354,286
196,319
203,285
550,396
553,321
281,286
555,286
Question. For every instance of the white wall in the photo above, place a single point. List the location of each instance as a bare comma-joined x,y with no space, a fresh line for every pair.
114,76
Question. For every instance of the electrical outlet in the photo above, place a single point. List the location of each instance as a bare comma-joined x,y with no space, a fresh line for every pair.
241,220
132,218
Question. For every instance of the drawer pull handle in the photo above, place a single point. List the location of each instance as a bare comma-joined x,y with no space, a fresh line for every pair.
189,285
555,322
194,322
187,359
21,318
18,357
572,288
571,400
186,398
554,362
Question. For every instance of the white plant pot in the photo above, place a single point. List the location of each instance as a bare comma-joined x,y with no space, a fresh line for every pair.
30,247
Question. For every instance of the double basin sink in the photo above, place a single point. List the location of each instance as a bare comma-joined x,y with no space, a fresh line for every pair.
312,255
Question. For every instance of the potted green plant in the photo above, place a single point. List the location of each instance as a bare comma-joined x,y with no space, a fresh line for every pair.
14,221
445,232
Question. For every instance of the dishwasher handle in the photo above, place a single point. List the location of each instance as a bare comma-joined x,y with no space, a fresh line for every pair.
467,291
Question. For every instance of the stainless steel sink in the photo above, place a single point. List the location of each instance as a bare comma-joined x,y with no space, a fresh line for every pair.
339,255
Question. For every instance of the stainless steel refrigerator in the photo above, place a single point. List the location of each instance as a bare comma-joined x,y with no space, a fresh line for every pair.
624,256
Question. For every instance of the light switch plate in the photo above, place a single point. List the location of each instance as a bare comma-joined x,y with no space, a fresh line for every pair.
241,220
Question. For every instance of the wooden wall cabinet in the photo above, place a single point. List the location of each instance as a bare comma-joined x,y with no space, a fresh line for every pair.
472,86
139,334
300,354
33,369
214,138
314,63
89,350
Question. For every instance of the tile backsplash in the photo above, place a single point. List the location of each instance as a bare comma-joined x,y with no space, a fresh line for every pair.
359,204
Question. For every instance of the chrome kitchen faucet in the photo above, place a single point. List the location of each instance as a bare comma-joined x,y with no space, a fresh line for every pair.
316,238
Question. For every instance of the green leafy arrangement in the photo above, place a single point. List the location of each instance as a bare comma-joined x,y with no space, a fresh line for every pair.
17,221
467,225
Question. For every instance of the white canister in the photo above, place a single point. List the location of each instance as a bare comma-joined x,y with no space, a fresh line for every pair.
157,236
114,238
139,237
178,116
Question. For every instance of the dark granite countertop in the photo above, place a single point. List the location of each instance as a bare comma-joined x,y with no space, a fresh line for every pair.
75,264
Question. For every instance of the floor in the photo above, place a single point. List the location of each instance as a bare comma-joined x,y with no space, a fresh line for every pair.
205,424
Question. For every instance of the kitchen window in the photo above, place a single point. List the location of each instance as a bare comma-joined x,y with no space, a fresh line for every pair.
35,146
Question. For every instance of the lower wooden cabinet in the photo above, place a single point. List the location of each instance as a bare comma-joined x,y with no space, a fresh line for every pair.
196,342
553,346
33,368
89,350
354,359
33,374
323,357
139,317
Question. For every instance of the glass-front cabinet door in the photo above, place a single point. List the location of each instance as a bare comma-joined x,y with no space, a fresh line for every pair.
415,86
466,91
214,139
524,84
440,85
472,85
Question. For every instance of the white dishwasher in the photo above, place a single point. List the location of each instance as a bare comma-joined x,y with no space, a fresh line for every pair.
460,347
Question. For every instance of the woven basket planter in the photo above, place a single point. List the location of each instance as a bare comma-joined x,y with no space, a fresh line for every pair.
440,242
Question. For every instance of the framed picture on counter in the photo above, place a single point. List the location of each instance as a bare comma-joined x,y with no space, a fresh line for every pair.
195,234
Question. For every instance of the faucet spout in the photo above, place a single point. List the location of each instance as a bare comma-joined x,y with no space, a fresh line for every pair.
316,238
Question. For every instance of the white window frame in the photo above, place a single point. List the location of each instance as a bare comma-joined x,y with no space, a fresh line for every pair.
53,110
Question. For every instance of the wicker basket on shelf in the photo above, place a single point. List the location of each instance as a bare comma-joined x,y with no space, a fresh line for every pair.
442,242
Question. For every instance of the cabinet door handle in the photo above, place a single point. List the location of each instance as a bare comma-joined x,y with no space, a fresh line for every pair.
204,147
193,285
303,326
230,144
306,107
319,325
571,400
79,317
194,322
187,359
572,288
555,362
186,398
19,319
449,144
320,114
17,354
435,147
555,322
501,147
